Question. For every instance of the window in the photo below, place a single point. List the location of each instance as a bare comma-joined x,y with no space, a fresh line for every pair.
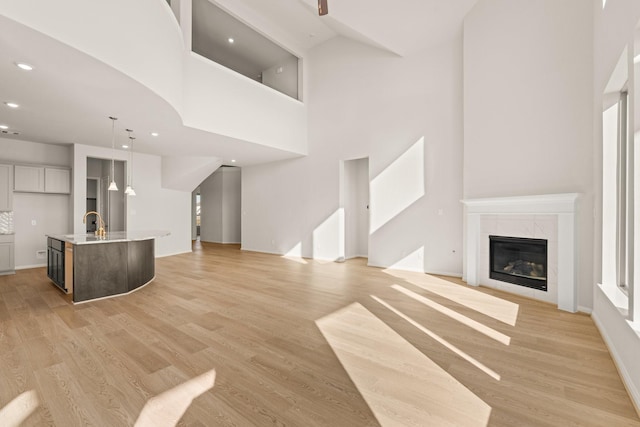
624,195
618,190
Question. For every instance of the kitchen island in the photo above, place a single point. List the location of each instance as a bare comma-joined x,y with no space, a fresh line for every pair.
90,267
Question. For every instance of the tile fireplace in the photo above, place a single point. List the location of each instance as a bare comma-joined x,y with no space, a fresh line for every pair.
548,217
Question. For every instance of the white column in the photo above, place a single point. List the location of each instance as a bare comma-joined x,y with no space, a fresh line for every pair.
567,289
473,249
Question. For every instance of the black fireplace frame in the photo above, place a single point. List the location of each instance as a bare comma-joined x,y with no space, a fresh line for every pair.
535,283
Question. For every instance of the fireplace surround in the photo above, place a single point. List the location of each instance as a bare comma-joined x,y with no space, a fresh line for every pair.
551,217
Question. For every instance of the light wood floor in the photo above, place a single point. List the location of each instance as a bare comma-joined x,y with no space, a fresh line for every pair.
225,337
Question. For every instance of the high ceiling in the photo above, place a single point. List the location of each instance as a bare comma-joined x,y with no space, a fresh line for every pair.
400,26
68,96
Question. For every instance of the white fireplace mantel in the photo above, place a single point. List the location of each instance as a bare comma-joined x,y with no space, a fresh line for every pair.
563,206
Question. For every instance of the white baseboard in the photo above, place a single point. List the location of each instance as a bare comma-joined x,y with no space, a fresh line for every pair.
583,309
358,256
445,273
26,267
626,377
174,253
265,252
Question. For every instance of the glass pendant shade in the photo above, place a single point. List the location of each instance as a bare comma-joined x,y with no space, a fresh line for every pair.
113,186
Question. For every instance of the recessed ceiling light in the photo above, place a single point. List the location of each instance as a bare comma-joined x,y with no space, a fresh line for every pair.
154,133
11,104
24,66
231,40
233,160
4,127
125,146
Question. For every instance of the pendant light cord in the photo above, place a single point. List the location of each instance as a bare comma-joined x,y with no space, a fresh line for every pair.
131,138
113,148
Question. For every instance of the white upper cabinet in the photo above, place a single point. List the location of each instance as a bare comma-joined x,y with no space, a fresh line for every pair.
29,179
57,180
6,187
42,179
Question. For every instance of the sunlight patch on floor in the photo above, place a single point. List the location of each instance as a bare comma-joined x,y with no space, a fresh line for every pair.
166,409
400,384
296,259
18,410
489,305
483,329
493,374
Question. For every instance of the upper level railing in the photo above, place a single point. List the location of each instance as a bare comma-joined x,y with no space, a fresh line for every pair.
222,38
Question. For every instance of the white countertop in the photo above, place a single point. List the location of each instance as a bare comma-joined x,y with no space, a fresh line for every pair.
116,236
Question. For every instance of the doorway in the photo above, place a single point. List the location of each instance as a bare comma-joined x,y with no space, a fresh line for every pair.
93,201
195,214
110,204
356,208
218,204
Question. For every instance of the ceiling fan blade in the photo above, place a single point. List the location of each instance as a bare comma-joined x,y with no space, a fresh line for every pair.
322,7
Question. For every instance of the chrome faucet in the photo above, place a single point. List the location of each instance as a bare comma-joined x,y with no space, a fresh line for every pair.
100,231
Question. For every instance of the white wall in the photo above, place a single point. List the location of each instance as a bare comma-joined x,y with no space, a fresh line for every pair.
364,102
27,152
231,190
213,91
50,211
613,30
211,208
157,208
51,214
528,100
184,173
220,206
153,207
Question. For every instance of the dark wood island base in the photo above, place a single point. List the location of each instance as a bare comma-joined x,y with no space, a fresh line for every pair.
109,269
92,268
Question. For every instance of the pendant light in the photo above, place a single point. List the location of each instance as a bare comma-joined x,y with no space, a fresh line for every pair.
130,191
113,186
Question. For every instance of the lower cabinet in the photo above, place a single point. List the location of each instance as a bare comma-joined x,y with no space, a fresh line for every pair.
7,263
55,262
